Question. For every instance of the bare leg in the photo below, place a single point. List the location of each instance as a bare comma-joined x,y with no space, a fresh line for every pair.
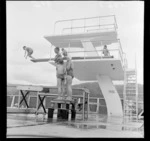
69,87
31,57
59,86
63,88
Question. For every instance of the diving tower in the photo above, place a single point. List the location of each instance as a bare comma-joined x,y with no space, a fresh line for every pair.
84,40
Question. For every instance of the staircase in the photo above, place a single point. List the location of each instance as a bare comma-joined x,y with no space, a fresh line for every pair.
130,94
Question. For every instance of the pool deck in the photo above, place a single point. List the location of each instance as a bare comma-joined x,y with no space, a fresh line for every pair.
97,126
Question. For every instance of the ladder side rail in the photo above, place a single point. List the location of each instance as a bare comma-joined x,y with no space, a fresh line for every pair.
124,93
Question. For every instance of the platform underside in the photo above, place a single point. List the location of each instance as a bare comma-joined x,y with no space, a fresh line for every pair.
86,70
74,40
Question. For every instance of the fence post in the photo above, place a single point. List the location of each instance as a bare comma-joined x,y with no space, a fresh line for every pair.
97,105
12,102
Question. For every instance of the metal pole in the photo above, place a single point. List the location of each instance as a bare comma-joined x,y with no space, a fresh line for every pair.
84,24
97,105
84,53
51,51
87,105
44,104
83,105
13,99
99,22
19,99
115,22
55,27
124,93
37,103
69,47
136,88
28,100
71,26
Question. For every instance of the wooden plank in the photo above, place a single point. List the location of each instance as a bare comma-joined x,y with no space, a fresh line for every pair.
31,88
62,101
20,110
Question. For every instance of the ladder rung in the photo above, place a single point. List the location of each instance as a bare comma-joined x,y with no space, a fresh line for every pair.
132,101
131,94
129,72
128,109
131,89
131,83
131,114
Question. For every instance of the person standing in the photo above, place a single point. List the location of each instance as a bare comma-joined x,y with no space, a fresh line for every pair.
69,75
60,73
106,51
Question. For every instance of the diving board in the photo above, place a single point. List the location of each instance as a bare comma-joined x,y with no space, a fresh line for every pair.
73,58
40,60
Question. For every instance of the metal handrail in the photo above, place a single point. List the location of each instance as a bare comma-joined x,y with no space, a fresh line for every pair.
100,29
85,18
71,20
92,50
84,27
90,26
98,51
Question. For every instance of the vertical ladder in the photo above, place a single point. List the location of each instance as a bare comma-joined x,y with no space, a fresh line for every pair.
130,94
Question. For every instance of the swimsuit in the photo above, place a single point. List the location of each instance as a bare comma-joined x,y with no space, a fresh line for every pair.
29,50
61,76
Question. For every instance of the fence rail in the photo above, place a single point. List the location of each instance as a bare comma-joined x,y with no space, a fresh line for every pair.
96,105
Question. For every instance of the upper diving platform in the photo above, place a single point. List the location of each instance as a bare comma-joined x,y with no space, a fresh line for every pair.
75,40
73,31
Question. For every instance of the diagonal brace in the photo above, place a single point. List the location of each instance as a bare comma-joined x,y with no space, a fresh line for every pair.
41,103
24,98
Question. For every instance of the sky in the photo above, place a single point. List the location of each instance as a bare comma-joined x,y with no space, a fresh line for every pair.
29,21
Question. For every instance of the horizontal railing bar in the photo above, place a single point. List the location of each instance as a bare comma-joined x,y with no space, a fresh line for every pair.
93,50
100,29
88,26
85,18
112,28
